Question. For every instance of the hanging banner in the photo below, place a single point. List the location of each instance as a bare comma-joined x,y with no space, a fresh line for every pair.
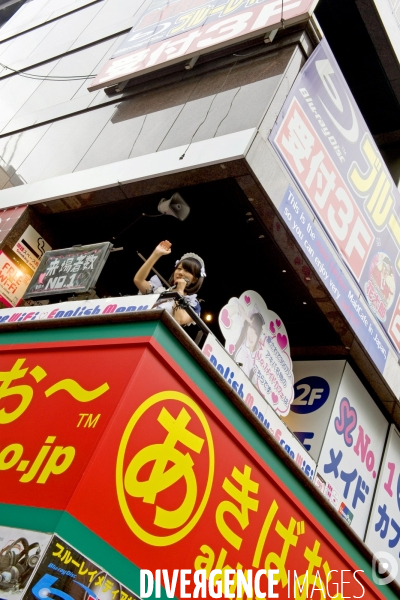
351,454
168,33
315,388
257,340
21,551
383,534
66,573
265,413
325,143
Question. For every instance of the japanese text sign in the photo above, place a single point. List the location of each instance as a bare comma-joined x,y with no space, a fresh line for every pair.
383,534
66,573
352,451
185,491
327,147
257,340
172,32
70,270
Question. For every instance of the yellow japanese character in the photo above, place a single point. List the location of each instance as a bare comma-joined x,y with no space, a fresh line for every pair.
243,499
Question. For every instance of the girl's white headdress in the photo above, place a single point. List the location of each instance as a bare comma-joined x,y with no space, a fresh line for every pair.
196,257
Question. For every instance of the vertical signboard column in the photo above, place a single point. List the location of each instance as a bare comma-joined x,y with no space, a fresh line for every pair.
349,462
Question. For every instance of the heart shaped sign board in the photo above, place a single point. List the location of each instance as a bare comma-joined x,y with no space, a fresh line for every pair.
258,342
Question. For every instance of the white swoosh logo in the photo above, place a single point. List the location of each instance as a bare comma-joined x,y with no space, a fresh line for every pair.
350,134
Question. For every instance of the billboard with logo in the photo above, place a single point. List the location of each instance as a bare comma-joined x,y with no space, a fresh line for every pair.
137,454
383,534
315,387
186,491
328,149
171,32
351,454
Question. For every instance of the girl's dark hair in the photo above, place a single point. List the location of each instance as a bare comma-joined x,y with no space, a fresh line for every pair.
192,266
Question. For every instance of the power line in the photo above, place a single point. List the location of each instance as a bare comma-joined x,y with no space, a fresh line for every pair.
48,77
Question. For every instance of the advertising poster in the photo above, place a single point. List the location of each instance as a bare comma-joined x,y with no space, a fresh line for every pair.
20,553
258,342
383,534
15,277
240,383
315,388
185,491
30,247
324,141
333,273
66,573
170,32
351,454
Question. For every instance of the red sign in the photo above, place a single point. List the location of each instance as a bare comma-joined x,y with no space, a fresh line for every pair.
55,402
170,32
174,486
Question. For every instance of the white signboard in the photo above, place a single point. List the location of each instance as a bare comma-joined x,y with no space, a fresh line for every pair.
352,451
315,387
87,308
258,342
20,553
383,534
240,383
31,247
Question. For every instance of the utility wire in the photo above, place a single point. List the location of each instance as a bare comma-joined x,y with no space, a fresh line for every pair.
48,77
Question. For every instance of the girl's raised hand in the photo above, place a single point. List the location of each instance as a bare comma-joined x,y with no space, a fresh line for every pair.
163,248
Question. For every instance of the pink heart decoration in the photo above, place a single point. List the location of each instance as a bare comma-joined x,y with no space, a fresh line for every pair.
247,299
282,341
278,323
272,327
275,398
225,319
231,348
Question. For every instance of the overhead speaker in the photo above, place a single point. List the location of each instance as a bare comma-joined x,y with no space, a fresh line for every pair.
175,207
